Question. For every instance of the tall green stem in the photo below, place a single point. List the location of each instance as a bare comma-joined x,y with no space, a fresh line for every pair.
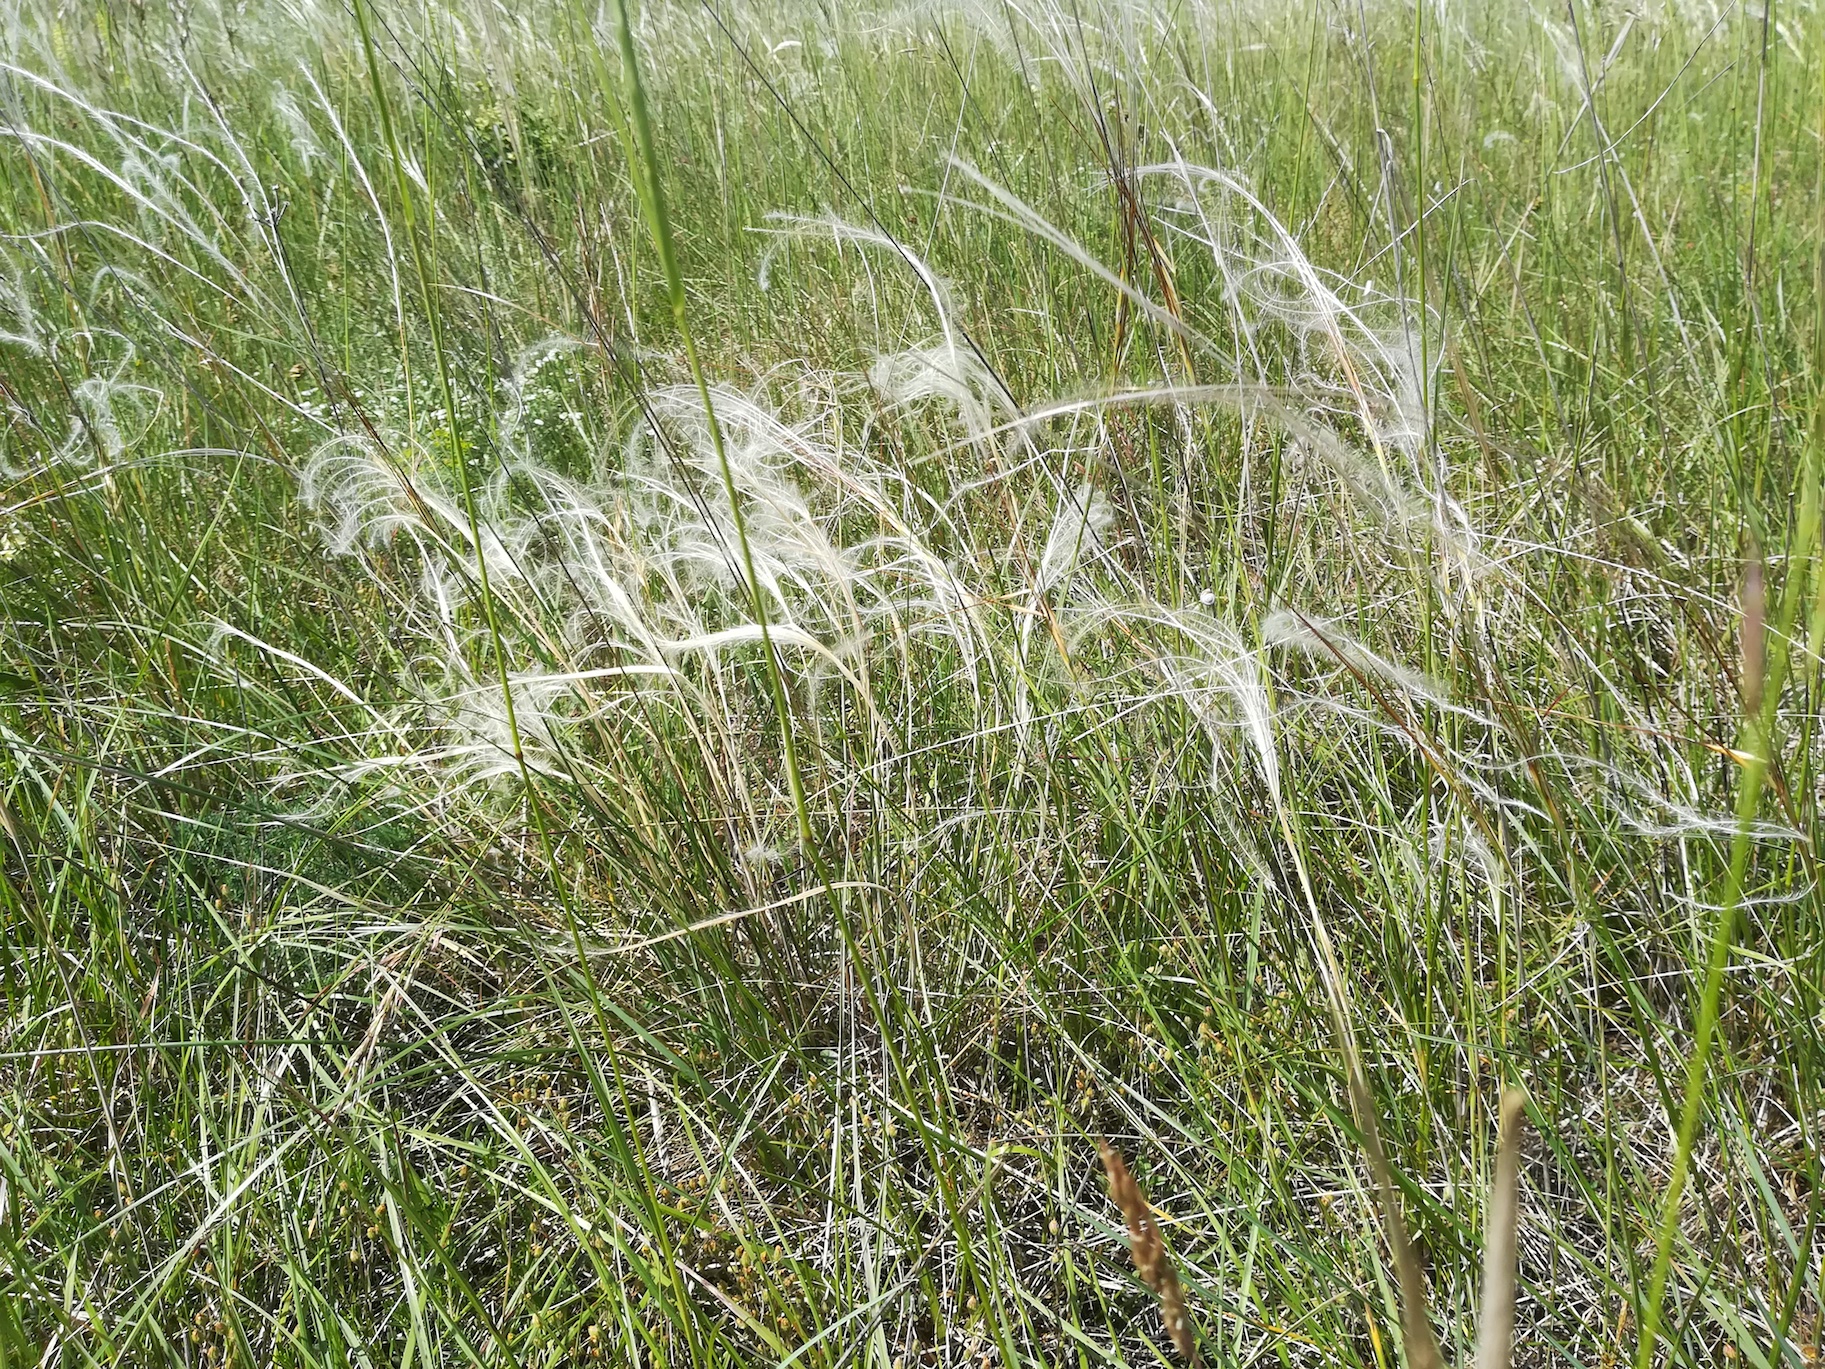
1757,742
643,165
626,1137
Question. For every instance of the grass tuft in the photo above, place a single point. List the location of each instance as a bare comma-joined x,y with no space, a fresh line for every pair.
657,661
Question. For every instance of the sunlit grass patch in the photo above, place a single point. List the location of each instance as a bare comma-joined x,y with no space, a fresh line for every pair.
636,712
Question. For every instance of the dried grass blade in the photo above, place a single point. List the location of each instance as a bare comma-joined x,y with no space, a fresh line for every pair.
1416,1334
1495,1336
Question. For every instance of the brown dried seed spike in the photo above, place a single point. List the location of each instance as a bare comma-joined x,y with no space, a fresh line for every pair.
1754,634
1149,1251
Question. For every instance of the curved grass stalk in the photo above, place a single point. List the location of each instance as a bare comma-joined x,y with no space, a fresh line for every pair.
626,1138
1766,658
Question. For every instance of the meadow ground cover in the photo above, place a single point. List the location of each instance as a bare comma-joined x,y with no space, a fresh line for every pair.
659,661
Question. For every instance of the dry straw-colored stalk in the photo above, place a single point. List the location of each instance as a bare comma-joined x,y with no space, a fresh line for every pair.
1495,1334
1150,1258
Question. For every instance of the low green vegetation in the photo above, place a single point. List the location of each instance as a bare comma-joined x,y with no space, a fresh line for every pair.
657,661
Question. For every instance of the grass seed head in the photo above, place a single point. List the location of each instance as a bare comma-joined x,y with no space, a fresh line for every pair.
1150,1258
